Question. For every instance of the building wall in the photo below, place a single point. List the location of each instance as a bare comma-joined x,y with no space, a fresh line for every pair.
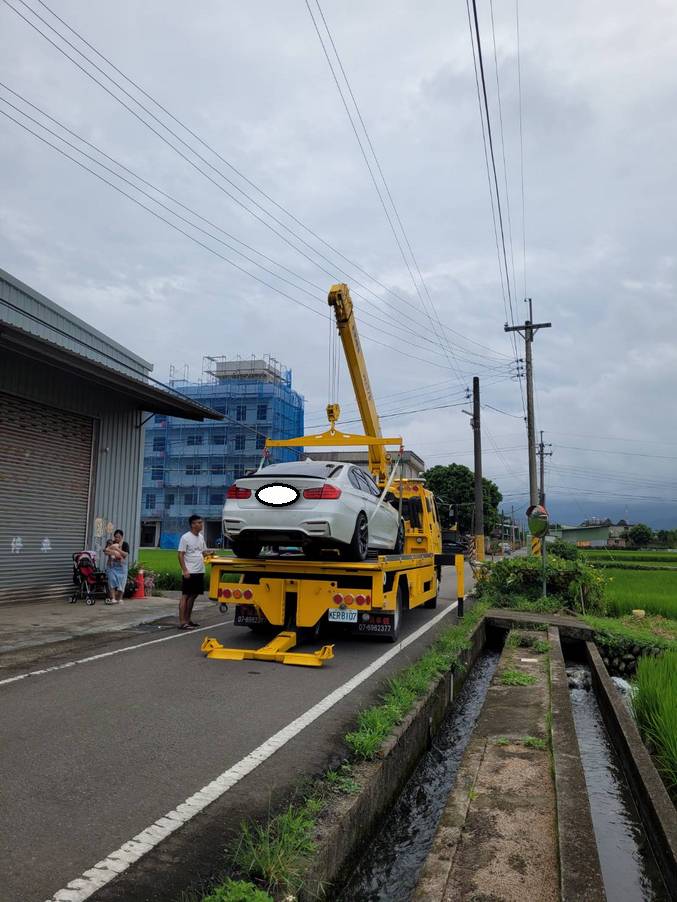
118,438
191,473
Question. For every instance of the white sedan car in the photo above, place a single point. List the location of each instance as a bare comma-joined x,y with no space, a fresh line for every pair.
312,504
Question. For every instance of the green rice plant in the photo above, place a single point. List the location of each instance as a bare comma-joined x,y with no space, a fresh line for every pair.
517,678
655,706
654,591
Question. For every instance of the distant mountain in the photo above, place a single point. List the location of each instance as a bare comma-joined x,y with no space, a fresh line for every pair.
572,511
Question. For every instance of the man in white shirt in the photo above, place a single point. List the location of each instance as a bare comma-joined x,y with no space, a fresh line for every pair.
192,550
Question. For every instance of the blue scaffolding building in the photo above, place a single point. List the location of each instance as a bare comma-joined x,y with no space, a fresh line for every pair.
188,466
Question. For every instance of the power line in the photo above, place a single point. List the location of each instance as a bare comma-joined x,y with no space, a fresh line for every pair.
486,131
519,91
199,156
452,362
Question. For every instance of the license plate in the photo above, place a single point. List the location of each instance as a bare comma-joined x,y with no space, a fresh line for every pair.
342,616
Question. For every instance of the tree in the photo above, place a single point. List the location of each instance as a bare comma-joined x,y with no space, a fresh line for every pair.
641,534
455,485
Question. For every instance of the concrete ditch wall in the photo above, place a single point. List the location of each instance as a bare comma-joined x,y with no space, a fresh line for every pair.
349,825
653,802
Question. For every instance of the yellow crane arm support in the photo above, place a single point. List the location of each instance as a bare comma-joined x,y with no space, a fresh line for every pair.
340,300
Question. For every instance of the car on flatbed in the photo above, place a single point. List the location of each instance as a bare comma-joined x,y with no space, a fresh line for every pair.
317,505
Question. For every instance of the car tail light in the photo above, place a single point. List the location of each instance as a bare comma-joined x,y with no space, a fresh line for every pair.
326,492
248,594
238,493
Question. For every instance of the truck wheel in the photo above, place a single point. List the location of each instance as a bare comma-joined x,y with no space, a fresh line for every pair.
359,544
397,617
244,548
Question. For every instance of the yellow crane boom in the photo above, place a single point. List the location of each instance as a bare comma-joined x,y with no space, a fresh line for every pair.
340,300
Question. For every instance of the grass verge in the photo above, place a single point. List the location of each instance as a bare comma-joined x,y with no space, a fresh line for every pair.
376,723
618,633
655,706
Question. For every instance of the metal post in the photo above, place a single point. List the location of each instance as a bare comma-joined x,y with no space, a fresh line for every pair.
477,446
459,562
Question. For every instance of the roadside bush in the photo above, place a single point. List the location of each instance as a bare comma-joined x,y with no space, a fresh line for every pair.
574,585
567,551
656,712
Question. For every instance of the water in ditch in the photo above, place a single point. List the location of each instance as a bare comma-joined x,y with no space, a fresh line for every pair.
388,871
629,869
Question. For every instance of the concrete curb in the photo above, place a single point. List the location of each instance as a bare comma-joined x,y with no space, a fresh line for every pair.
656,810
580,871
348,826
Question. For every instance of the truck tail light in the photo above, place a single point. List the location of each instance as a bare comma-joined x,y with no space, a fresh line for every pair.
238,493
326,492
248,594
237,593
225,593
360,599
337,598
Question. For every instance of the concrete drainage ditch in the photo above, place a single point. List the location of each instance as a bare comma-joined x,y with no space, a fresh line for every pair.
471,787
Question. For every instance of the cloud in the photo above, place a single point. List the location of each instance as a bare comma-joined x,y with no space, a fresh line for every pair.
600,125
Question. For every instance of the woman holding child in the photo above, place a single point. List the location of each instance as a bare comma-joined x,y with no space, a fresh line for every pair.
117,553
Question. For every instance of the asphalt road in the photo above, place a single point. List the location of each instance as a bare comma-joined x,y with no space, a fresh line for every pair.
92,754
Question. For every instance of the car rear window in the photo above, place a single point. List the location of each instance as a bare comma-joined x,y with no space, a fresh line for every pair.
317,469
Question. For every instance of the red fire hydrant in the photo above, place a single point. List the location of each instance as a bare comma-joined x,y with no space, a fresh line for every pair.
139,586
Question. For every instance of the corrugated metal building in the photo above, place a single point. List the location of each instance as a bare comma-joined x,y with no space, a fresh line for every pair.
72,409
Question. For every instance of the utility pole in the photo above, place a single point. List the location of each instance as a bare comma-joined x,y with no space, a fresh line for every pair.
479,494
477,447
527,331
542,453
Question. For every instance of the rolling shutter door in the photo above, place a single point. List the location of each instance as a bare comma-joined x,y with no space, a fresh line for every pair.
45,465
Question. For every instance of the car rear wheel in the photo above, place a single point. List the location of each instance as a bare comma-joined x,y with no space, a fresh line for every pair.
245,548
359,544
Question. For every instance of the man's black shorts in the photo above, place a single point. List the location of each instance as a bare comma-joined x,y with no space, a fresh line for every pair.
194,584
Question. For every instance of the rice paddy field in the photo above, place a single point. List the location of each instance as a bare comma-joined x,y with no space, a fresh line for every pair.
655,591
622,556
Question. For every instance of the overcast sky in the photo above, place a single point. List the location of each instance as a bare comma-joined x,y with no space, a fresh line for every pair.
599,91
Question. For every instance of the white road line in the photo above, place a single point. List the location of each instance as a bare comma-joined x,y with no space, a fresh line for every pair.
108,654
104,871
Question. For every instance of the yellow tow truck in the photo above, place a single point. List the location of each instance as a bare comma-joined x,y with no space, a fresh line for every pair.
299,596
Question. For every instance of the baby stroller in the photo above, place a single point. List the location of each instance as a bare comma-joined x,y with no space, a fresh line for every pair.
88,580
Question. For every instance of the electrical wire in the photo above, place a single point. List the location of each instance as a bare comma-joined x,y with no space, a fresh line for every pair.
452,356
192,149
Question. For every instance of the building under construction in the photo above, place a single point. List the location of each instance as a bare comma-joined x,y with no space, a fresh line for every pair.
188,465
